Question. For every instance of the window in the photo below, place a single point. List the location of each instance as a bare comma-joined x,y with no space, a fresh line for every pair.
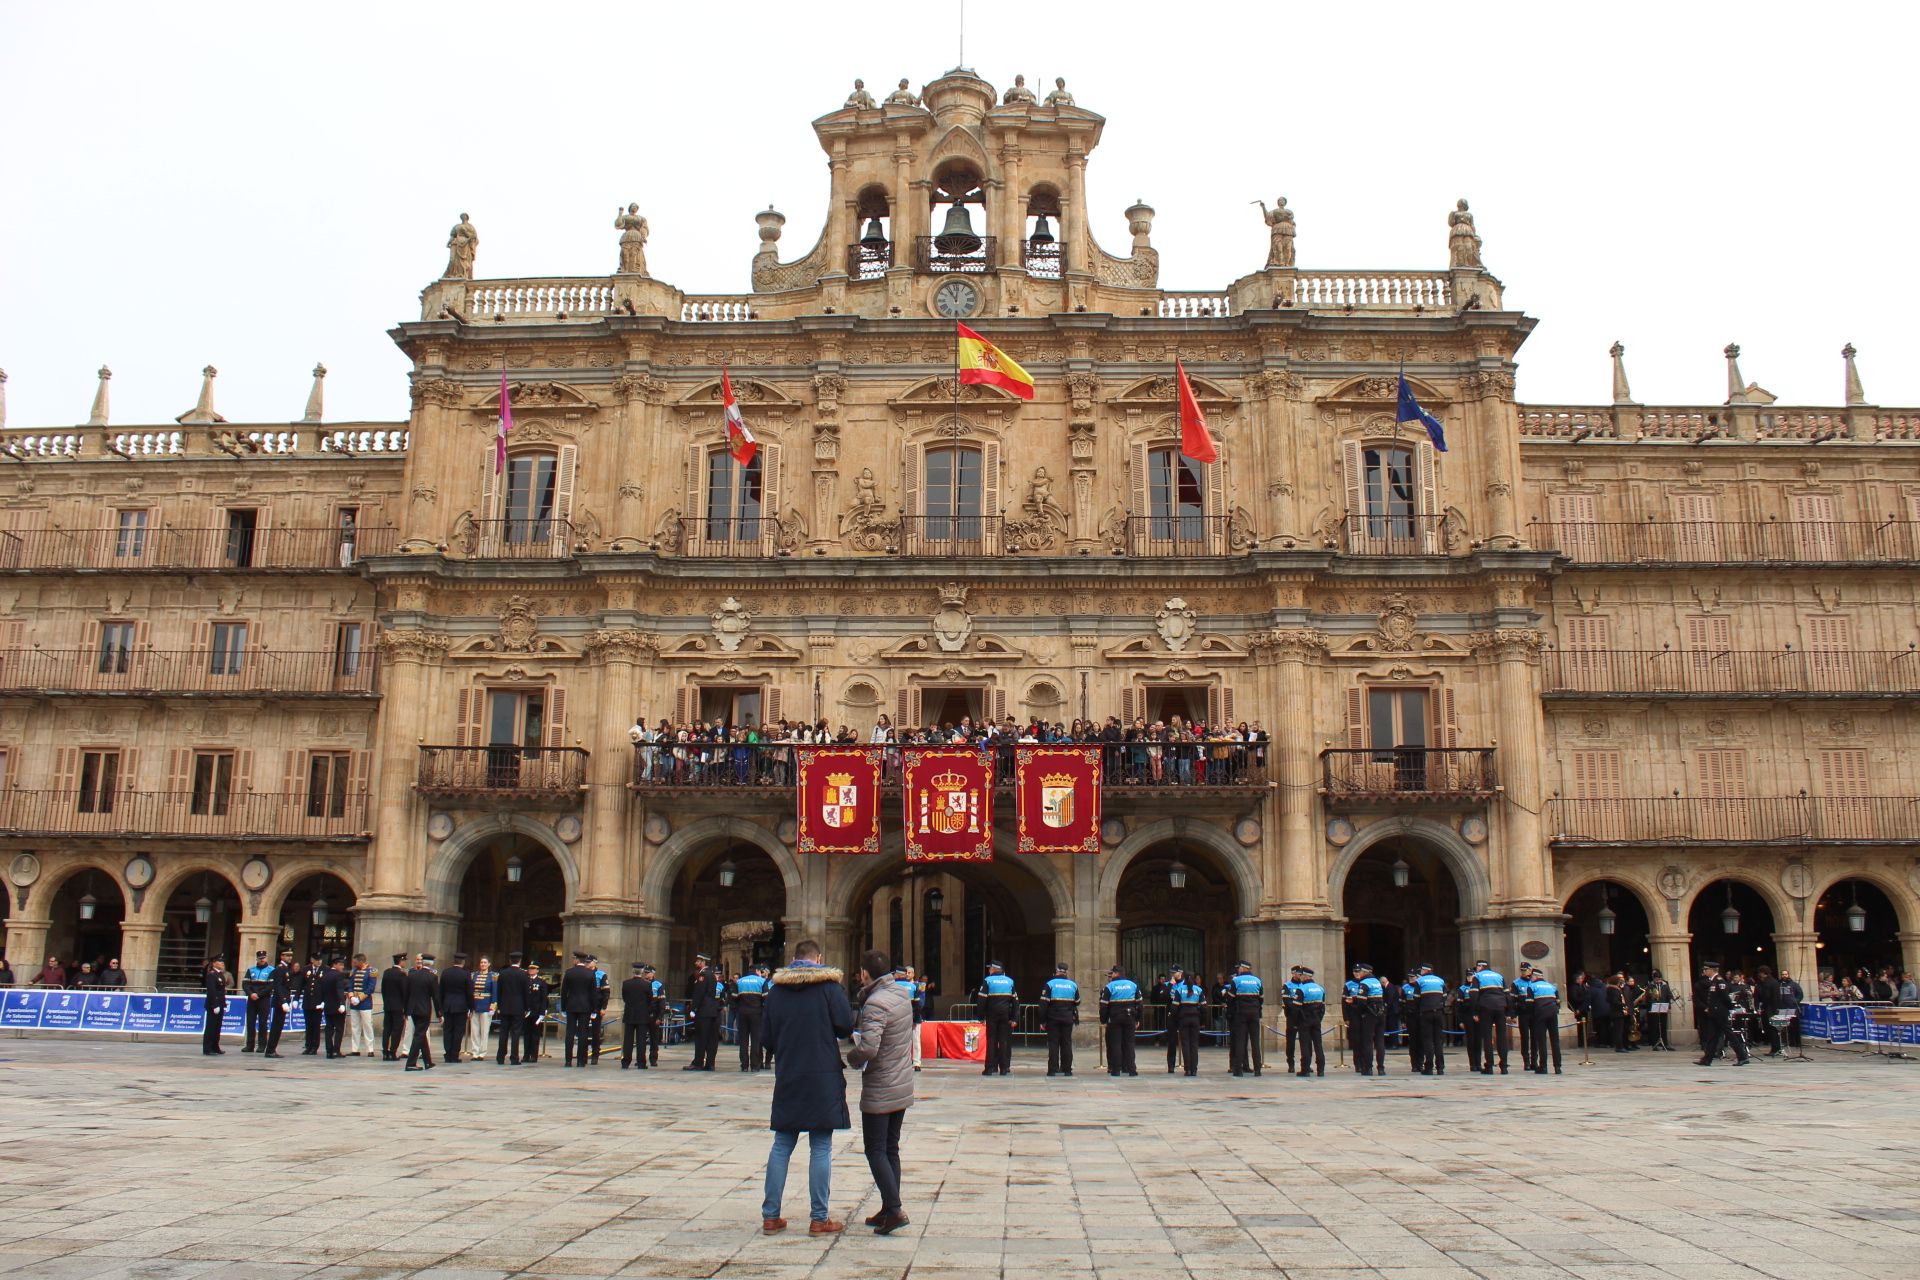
348,640
347,526
1397,733
242,531
516,717
1588,653
130,533
1696,532
953,494
733,498
1575,522
1596,775
531,479
1722,774
212,783
99,780
1815,535
1843,771
327,784
1830,653
1176,501
229,648
735,706
116,648
1387,485
1710,659
1846,813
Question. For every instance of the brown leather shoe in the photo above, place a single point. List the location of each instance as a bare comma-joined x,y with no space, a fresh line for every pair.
889,1224
877,1218
826,1228
772,1226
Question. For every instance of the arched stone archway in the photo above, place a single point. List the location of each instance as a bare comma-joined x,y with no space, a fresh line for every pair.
447,866
667,861
1903,900
1235,859
1462,860
1610,925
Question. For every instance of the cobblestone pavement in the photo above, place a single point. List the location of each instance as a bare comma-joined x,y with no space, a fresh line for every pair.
150,1160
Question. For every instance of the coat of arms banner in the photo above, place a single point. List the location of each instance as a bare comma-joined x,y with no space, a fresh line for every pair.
1057,797
948,801
839,799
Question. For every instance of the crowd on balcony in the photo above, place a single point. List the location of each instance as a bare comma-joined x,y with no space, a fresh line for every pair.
1167,752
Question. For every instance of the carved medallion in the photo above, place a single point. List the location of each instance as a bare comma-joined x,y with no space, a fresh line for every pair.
1176,624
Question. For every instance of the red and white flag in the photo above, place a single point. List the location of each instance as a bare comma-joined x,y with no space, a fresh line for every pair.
1195,440
505,426
740,441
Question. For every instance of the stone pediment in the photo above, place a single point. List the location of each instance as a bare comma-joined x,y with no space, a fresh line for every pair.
1214,648
494,646
1382,389
980,648
935,393
529,396
1429,645
757,648
1161,393
748,391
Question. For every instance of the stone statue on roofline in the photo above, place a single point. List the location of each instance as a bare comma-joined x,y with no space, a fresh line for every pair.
859,99
903,96
1059,97
1280,231
462,242
1019,94
633,240
1463,242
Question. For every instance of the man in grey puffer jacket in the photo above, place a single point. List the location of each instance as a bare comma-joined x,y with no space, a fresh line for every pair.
883,1049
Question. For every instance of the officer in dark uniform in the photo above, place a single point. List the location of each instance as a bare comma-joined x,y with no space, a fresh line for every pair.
1246,1004
749,1006
1543,1012
216,1007
1489,988
1060,1010
1469,1015
1120,1015
534,1027
1403,1005
1310,1000
999,1005
1290,1014
578,991
510,997
636,1007
423,1001
703,1008
656,1016
1429,1011
602,1001
1716,1011
280,1000
1163,997
393,1008
1520,1001
456,1003
1369,1021
1189,1002
257,985
306,986
332,983
1350,1011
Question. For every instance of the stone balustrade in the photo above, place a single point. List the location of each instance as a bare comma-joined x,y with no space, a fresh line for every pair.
717,308
136,444
1565,422
1374,290
1194,306
549,299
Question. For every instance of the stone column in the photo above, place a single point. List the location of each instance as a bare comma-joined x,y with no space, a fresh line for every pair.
1518,764
1795,952
139,952
1073,212
1498,454
1909,940
1669,952
27,945
1290,756
398,857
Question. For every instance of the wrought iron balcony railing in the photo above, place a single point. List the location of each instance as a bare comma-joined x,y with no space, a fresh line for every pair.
951,535
1652,543
523,772
216,673
928,257
751,536
1043,259
142,549
1394,535
734,766
1731,673
869,261
545,538
1185,536
1744,820
231,812
1374,775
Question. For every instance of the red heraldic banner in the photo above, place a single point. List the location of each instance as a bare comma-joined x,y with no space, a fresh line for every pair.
1056,791
949,806
839,799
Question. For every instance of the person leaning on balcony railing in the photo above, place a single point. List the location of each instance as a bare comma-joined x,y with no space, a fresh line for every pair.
6,973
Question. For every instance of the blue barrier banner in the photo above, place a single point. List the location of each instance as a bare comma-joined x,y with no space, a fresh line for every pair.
1816,1022
104,1011
22,1009
185,1015
146,1013
62,1011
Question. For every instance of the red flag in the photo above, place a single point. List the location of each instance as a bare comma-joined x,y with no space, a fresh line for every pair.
1195,441
740,441
504,427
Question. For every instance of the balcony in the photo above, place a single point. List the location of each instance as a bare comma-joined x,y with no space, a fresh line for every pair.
952,535
1394,535
748,536
1787,820
867,261
927,257
1185,536
1652,544
1043,259
246,815
551,774
167,550
1581,674
1391,777
544,539
250,673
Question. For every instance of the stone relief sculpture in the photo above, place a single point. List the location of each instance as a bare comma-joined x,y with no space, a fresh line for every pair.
903,96
1019,94
1176,624
667,533
790,530
1045,520
865,526
1059,97
730,623
633,240
1398,626
952,624
1280,230
1463,242
462,242
859,99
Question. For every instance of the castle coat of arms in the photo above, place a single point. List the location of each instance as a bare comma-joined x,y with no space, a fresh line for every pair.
1056,800
950,806
840,801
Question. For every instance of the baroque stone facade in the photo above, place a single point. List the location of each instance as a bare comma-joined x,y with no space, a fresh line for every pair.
1590,659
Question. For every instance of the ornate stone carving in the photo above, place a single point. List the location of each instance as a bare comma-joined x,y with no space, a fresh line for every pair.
1463,242
414,644
463,242
865,526
444,392
1505,642
637,646
1672,882
1497,383
1274,382
1280,232
952,623
1399,627
1082,389
519,627
1300,642
790,530
633,240
730,623
1176,624
1453,529
1045,520
638,386
859,99
1240,535
667,534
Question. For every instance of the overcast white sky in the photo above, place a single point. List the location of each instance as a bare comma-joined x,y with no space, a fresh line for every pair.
261,186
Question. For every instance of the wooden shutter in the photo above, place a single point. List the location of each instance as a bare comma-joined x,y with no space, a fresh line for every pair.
1710,633
293,783
1845,813
1129,704
488,489
557,716
1588,652
66,770
772,705
1815,537
1830,652
1596,775
990,497
179,773
359,771
686,702
1696,535
1449,718
202,639
1141,501
769,532
903,717
1216,499
1354,467
913,466
564,468
1219,705
999,705
472,715
1576,525
1357,717
1426,469
1722,773
242,772
1843,771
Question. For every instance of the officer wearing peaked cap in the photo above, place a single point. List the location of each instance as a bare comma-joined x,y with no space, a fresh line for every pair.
999,1002
1248,1004
1060,1007
1290,1013
257,985
636,1009
1369,1023
1310,1001
1120,1015
1489,987
1429,1013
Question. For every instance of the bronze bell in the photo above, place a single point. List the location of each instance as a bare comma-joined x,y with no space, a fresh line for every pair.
876,236
957,237
1042,233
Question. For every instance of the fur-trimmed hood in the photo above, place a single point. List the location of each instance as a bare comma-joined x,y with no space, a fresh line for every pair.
806,975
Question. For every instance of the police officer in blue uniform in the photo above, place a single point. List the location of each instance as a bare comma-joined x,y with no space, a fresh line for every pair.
1520,1002
749,1003
1247,1003
1429,1011
1369,1021
1465,1005
1060,1010
1403,1011
257,985
999,1003
1309,999
1290,1014
1543,1012
1490,1002
1120,1015
1188,998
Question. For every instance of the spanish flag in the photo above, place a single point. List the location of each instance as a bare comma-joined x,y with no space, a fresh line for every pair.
981,361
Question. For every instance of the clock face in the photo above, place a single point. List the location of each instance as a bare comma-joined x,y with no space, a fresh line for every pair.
956,299
256,875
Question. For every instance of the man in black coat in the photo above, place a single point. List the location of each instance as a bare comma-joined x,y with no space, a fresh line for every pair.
332,983
534,1024
636,1001
807,1016
280,996
423,1002
703,1009
393,1008
216,1006
307,987
579,993
512,1009
657,1017
456,1002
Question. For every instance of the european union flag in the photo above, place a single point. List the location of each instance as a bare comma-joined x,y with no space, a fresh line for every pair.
1410,411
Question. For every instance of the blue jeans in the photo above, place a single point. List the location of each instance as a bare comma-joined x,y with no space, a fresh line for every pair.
819,1171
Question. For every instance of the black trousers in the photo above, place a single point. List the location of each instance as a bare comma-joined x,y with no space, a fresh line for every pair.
1173,1039
393,1030
530,1033
1470,1033
880,1134
1120,1045
276,1028
422,1047
336,1031
1433,1039
1412,1033
1493,1039
706,1039
453,1032
1369,1043
633,1044
1313,1049
655,1033
1059,1047
1545,1018
999,1046
1189,1025
1293,1034
210,1033
1244,1043
746,1033
579,1039
259,1016
315,1023
1716,1033
512,1031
